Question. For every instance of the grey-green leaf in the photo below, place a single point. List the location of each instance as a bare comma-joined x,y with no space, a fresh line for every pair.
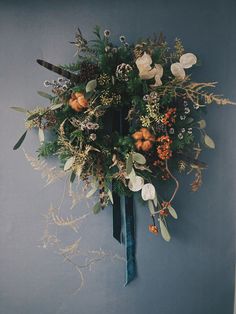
33,116
139,158
96,208
172,212
56,106
209,141
91,85
151,207
19,109
73,176
21,140
129,164
69,163
164,231
91,192
45,95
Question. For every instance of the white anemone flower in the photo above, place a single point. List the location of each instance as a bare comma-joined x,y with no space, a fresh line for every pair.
148,192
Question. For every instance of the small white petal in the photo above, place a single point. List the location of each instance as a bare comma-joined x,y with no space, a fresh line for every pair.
148,192
177,70
158,81
159,70
147,75
136,184
145,60
187,60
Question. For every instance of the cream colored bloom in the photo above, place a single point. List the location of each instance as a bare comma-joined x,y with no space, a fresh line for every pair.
146,72
136,184
186,61
148,192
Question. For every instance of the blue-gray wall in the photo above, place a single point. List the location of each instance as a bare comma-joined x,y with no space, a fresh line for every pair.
194,273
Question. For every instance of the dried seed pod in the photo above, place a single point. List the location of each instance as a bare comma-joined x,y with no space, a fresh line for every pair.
178,71
187,60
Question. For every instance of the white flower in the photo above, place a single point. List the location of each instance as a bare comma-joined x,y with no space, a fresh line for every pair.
148,192
177,70
136,184
146,72
186,61
144,62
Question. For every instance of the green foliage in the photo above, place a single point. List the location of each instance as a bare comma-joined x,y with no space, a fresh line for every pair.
48,149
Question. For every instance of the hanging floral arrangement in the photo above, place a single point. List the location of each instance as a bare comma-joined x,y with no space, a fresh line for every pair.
124,118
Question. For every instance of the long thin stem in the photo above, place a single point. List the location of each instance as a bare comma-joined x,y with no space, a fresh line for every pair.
176,181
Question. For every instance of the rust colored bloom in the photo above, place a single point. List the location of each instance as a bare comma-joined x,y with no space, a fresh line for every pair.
153,229
169,117
163,150
144,139
78,102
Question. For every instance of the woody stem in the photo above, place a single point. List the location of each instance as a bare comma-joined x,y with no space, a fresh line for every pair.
174,178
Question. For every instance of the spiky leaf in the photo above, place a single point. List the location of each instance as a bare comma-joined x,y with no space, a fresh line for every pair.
45,95
20,141
19,109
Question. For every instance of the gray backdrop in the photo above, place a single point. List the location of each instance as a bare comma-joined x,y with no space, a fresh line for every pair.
194,273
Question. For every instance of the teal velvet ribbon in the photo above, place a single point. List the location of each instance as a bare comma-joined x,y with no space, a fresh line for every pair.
120,124
117,217
131,270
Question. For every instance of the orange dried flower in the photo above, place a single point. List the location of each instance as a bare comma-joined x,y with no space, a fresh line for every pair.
163,150
78,102
144,139
153,229
169,117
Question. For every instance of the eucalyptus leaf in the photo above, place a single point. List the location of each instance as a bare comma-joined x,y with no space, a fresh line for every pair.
73,176
96,208
189,120
33,116
41,135
129,164
132,175
69,163
155,200
172,212
151,207
139,158
91,85
91,192
56,106
109,192
202,124
19,109
164,231
45,95
209,141
20,141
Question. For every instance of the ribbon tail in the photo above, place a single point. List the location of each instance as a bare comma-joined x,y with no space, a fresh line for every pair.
131,270
116,217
